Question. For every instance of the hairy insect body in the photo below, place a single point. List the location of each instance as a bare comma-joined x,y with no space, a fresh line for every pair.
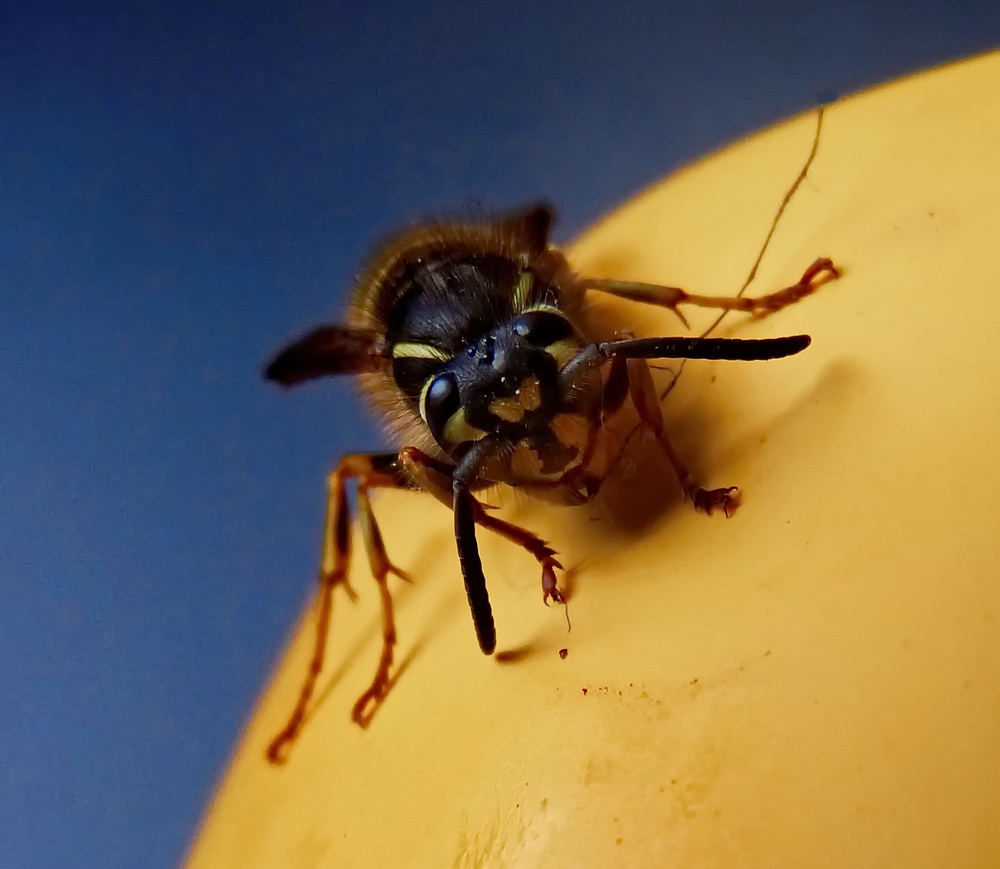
467,339
479,344
475,333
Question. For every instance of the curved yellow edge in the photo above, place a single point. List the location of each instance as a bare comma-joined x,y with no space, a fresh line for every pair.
814,682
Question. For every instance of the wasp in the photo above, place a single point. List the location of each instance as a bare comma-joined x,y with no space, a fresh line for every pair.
467,338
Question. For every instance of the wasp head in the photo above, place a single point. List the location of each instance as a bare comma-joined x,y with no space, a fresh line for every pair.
506,382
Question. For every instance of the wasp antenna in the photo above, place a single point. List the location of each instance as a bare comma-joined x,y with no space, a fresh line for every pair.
746,349
329,350
532,224
472,570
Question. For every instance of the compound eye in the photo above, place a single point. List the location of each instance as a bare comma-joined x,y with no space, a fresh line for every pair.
543,328
440,403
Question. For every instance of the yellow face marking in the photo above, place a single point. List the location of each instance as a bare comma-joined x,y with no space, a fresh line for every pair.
525,281
525,463
571,430
529,393
508,409
512,408
423,398
457,430
413,350
563,351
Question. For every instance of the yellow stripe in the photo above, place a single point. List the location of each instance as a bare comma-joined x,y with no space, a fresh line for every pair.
563,351
525,281
423,397
413,350
508,409
457,430
552,309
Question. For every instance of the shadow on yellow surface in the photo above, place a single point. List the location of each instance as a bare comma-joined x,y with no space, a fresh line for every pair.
815,682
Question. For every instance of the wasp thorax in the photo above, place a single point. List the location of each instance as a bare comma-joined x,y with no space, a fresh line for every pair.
505,382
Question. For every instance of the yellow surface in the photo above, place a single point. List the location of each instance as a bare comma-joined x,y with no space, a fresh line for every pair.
814,682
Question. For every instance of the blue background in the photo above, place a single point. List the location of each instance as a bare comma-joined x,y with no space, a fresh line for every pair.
184,187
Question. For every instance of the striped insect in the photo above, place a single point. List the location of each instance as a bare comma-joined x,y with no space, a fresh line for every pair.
468,339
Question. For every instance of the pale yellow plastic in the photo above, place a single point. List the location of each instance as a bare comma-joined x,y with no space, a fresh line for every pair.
813,682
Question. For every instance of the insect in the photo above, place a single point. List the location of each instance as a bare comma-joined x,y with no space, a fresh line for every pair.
467,339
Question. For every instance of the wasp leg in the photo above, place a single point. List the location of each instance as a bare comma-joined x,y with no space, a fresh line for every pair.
647,405
367,704
438,478
540,549
370,470
452,486
821,271
616,387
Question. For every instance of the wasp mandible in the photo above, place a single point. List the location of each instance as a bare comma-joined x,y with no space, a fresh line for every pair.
467,339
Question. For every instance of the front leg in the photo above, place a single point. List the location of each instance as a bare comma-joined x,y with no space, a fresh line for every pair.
436,477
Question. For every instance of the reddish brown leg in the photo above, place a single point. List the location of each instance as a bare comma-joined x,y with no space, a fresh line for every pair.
364,709
534,544
370,470
821,271
644,396
435,477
